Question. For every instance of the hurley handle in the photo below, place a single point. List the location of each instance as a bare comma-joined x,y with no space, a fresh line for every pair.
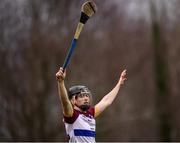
69,54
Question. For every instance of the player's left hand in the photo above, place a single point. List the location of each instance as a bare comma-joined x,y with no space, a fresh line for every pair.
123,77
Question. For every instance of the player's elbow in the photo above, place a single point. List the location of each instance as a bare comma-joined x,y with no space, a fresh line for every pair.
68,113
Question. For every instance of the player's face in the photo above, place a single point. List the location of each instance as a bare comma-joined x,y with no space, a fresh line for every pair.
82,99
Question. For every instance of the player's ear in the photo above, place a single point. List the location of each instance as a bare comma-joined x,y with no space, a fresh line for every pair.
73,100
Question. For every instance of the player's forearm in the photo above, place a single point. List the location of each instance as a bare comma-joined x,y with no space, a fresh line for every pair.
66,104
109,98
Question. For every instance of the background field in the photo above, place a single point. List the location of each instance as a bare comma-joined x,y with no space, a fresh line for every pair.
141,36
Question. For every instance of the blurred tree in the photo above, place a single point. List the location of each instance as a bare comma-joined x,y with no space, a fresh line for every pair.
161,75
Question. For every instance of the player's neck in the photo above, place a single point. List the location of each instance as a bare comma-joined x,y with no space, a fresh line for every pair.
77,108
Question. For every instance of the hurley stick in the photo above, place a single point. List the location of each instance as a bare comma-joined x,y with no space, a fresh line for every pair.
88,9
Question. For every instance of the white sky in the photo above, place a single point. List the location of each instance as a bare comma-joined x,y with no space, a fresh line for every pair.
136,9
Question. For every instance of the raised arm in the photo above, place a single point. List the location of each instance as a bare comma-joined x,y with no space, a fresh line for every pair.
65,102
109,98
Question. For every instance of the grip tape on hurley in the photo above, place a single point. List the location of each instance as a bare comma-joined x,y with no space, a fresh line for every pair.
78,30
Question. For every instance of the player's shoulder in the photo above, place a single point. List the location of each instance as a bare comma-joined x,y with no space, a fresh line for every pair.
91,111
72,119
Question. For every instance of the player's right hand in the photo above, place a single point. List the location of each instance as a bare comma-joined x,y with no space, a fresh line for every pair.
60,75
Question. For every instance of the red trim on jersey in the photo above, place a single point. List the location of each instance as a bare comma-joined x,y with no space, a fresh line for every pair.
71,120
